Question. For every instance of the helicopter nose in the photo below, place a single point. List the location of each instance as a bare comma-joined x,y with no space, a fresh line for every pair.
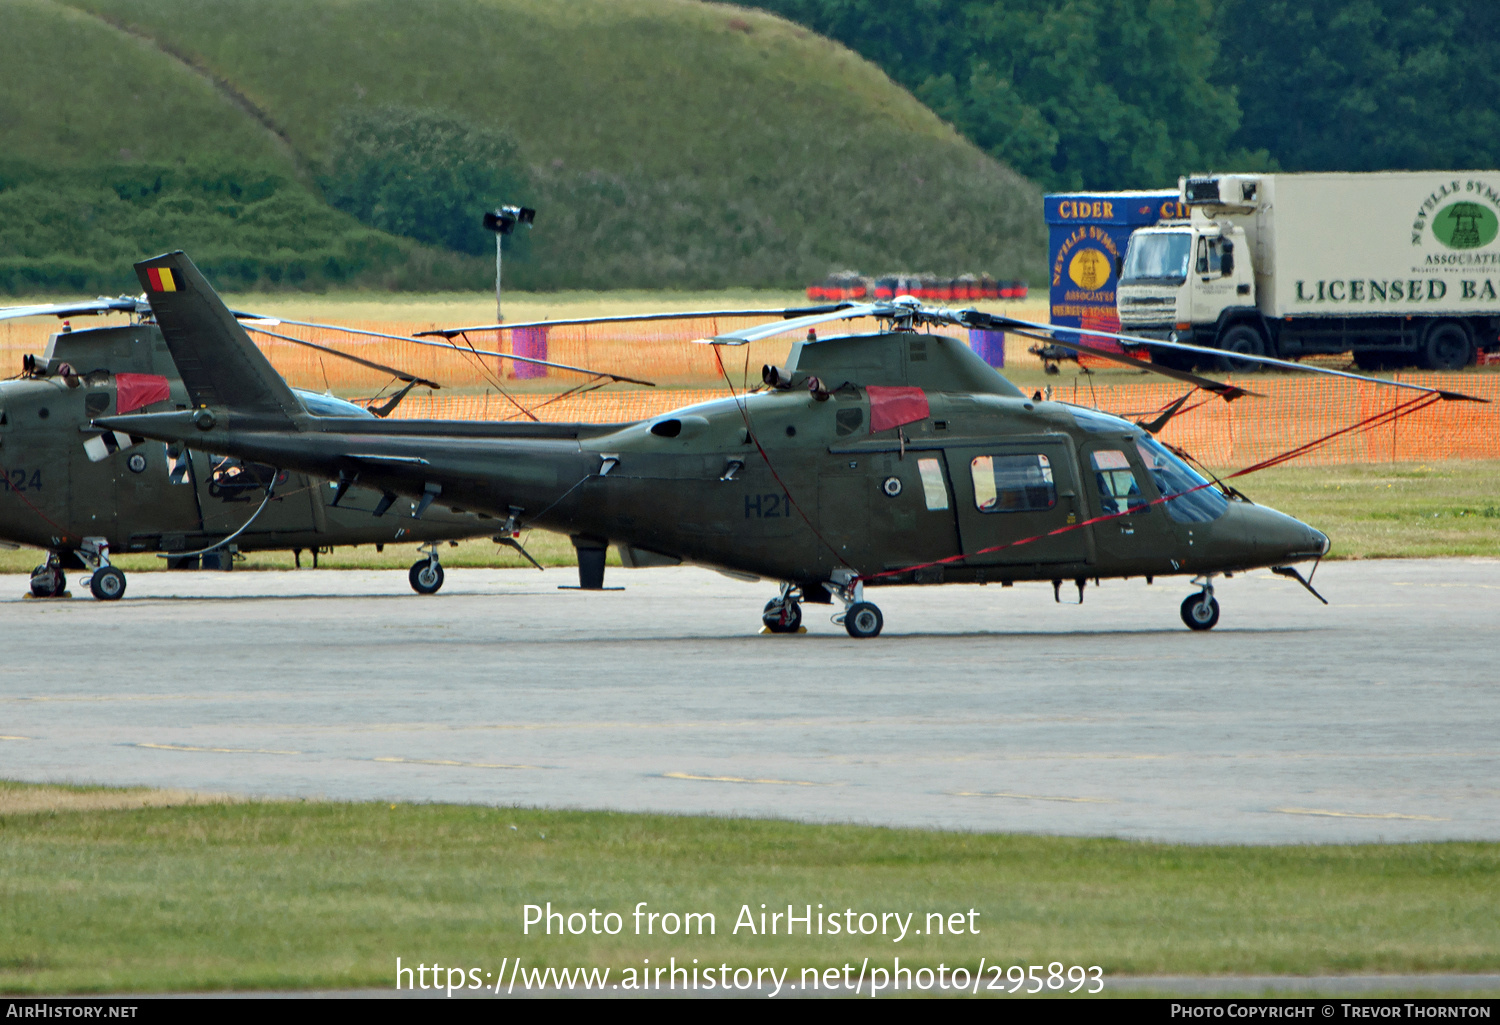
1281,538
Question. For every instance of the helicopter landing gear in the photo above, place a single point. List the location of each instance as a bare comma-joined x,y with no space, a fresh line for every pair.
1200,611
426,575
107,582
783,614
863,620
48,580
860,618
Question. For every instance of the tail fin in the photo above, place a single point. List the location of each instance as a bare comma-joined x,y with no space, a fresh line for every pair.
219,364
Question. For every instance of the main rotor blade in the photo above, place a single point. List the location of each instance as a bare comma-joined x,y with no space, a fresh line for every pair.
399,374
248,318
627,318
999,322
1228,392
82,308
755,334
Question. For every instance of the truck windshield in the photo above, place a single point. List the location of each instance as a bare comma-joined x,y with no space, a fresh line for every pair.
1157,256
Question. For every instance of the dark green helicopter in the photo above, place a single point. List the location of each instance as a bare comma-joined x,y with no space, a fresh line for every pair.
83,494
891,458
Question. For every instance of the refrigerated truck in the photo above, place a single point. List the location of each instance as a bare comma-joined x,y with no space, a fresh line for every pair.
1086,237
1396,268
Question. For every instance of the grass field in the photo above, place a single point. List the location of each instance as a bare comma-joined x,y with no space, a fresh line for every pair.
257,895
664,142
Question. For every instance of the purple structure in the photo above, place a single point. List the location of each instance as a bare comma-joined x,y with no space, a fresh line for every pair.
530,342
990,345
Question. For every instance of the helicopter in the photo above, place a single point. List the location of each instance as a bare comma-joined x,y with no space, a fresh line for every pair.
893,458
84,495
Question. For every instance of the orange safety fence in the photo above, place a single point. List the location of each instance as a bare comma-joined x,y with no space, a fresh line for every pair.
1296,410
614,406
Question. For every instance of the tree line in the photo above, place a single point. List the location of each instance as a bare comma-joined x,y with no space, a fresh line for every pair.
1112,94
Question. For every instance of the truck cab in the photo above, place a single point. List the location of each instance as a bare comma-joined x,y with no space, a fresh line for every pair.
1192,281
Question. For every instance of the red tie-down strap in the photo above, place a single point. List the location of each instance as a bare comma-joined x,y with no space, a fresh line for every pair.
132,391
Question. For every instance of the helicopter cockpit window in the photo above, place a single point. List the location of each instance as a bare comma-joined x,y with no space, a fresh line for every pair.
331,405
1174,477
1101,423
1119,491
1013,483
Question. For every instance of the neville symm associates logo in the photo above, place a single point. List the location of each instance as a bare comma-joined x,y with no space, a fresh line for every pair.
1460,214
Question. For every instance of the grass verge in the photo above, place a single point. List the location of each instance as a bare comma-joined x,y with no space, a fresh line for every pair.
275,894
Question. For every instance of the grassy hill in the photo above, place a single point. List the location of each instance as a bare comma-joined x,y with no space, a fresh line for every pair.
665,142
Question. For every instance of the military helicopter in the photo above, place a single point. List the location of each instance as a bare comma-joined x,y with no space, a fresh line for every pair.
892,458
83,494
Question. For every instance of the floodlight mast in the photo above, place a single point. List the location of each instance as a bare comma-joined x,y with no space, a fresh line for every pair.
502,221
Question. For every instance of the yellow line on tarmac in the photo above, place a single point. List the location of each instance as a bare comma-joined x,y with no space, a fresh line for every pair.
745,779
218,750
444,761
16,738
1359,814
1033,797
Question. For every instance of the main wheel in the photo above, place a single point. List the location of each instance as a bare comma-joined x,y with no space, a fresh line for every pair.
48,581
1244,339
863,620
426,576
1200,612
782,617
107,584
1447,348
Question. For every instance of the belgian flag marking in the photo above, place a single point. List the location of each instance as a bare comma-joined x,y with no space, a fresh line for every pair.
107,444
164,279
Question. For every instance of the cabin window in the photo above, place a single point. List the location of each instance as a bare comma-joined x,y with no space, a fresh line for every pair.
1119,491
933,487
1013,483
230,478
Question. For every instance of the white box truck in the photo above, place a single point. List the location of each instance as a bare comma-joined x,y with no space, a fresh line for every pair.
1397,268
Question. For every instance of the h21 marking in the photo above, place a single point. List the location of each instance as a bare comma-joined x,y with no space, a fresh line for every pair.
771,506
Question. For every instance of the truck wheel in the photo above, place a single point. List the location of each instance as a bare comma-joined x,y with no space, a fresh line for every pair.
1447,348
1241,338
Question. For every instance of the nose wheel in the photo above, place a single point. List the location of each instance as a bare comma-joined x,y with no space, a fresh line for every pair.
863,619
860,619
107,582
426,575
1201,611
